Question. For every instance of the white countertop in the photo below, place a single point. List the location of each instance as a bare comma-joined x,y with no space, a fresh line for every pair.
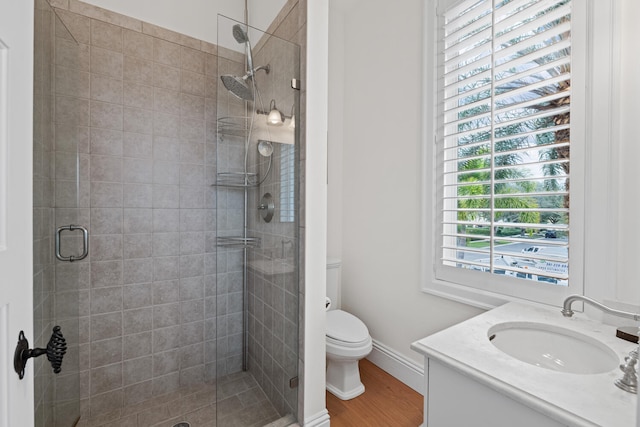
577,400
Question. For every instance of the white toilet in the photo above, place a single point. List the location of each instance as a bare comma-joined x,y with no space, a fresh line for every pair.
348,341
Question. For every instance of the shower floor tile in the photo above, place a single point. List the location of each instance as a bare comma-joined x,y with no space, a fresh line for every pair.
242,403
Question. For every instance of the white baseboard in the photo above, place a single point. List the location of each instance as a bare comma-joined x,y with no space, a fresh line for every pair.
398,366
321,419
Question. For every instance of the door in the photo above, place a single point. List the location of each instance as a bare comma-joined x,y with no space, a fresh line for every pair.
16,163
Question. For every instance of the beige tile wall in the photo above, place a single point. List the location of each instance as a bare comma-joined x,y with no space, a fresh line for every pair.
138,102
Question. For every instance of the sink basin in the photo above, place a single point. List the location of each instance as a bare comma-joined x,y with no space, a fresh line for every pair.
553,347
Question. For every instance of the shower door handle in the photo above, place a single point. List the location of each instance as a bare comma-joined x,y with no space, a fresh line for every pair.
85,243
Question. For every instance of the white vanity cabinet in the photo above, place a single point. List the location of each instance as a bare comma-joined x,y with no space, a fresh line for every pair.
469,382
453,400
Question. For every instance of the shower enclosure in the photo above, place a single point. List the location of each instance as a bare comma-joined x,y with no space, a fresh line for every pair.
186,307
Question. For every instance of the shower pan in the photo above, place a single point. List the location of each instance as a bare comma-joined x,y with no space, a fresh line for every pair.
256,183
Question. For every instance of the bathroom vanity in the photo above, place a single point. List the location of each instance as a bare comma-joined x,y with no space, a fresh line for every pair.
525,365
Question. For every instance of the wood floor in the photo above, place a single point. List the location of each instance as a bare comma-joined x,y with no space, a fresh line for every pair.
386,402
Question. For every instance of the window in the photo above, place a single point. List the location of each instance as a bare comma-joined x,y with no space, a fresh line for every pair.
287,182
506,131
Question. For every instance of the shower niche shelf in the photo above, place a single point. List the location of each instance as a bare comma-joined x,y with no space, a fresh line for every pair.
236,179
238,242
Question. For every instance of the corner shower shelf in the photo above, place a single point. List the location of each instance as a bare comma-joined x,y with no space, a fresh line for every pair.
233,126
238,242
236,179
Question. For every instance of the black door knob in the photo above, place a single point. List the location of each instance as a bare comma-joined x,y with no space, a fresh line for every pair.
55,351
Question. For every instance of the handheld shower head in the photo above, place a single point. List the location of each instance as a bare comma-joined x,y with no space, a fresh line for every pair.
265,148
239,34
241,37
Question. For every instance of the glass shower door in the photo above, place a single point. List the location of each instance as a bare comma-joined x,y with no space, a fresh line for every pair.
256,182
56,202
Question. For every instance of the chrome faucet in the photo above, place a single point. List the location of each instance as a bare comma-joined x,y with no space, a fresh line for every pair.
629,381
567,312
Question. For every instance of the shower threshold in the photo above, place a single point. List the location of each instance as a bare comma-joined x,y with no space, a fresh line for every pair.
286,421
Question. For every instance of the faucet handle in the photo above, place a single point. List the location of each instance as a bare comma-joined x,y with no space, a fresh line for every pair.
629,381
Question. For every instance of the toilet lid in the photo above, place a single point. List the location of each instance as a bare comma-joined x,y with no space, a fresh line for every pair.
346,327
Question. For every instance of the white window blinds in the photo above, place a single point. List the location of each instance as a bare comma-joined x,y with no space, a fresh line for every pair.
504,138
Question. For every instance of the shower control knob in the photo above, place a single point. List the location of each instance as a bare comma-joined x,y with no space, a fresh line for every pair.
266,207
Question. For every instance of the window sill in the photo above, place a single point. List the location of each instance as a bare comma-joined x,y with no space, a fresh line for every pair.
478,298
465,295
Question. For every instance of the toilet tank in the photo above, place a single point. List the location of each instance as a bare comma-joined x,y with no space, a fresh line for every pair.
334,274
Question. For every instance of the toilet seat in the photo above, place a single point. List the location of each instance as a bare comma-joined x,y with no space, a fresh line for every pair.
346,329
331,343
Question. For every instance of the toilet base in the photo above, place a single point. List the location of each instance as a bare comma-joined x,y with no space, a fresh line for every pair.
343,379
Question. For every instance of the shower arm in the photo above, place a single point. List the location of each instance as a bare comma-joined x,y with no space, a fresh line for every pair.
266,69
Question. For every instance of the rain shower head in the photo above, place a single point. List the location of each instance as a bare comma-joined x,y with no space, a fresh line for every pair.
238,86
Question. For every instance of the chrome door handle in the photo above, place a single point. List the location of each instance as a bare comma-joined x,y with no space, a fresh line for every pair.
85,240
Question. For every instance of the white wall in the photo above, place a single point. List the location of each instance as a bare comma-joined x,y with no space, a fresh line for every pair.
375,121
262,12
195,18
337,10
374,187
315,221
629,207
